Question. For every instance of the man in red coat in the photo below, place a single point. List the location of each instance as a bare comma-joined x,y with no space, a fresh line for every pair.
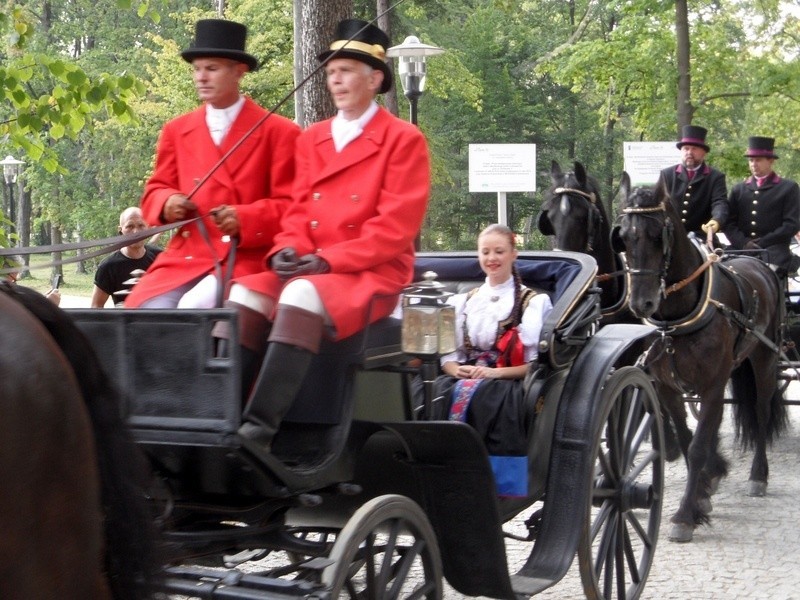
346,246
242,201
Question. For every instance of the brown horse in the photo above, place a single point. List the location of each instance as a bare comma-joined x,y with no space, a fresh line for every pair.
574,214
73,520
717,321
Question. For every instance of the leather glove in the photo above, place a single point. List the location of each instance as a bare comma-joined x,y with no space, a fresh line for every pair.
284,263
752,245
712,225
311,264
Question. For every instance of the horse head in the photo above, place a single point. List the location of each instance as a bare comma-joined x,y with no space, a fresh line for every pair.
571,211
646,234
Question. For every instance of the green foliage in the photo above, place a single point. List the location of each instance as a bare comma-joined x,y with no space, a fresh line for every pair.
87,87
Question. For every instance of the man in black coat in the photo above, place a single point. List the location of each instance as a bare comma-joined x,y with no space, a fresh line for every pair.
764,208
697,190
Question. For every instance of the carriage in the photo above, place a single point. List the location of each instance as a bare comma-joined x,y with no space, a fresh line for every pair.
364,494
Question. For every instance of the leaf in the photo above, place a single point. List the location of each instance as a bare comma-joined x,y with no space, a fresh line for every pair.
56,131
76,78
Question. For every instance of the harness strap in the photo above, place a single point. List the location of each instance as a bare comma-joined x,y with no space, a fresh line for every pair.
746,324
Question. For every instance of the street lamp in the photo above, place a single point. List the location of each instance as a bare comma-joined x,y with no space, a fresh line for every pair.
11,170
413,54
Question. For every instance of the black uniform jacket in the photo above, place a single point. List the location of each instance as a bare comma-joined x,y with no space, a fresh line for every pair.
768,215
698,201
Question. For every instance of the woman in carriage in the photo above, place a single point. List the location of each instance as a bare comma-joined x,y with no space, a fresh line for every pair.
497,334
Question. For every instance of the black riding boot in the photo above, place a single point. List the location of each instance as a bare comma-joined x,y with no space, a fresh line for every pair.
253,331
294,340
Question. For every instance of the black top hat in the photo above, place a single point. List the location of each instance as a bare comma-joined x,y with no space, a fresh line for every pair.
219,38
693,136
362,41
760,146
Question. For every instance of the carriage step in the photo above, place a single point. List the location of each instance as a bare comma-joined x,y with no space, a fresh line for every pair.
205,583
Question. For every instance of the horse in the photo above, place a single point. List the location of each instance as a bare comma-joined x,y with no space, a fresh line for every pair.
717,320
73,515
573,212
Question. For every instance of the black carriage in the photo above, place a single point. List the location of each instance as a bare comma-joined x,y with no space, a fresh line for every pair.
363,495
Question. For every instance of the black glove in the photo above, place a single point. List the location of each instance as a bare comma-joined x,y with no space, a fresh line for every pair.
752,245
284,263
311,264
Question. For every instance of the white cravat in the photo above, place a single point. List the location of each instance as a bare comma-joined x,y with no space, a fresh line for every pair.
344,131
219,120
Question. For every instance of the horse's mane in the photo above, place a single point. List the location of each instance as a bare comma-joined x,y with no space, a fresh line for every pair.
130,534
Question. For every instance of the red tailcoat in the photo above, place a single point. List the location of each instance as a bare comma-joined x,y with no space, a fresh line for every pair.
360,210
256,178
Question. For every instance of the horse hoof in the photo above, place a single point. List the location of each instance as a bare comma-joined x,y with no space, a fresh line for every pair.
681,532
672,452
757,489
713,485
704,504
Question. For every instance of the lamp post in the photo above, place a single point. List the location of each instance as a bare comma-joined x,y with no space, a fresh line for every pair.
11,170
429,330
412,55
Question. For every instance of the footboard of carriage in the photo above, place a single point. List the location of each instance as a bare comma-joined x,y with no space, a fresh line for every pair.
357,480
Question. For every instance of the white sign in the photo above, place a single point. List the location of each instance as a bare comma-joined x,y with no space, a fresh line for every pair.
644,160
502,167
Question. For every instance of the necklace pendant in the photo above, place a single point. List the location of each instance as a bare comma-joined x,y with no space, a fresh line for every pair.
494,298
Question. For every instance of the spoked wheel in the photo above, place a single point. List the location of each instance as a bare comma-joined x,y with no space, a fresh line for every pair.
386,550
618,538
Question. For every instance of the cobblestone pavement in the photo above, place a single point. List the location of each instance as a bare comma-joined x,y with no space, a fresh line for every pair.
750,550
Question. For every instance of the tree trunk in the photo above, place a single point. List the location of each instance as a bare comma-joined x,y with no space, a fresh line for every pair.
55,236
390,100
299,106
684,97
318,20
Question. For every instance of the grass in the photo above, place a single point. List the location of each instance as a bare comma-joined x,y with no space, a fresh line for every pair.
73,283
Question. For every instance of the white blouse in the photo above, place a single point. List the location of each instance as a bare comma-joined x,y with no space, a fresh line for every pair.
486,308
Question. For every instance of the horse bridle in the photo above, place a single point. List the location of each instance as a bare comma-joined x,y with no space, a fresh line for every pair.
667,235
594,212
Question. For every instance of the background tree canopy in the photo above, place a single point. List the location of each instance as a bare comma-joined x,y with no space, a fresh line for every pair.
89,83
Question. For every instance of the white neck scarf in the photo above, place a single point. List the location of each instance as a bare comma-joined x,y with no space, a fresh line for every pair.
219,120
344,131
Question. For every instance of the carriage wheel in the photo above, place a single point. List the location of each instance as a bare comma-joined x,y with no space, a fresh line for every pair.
619,534
386,550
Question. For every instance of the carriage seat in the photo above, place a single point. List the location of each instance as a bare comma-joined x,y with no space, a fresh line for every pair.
460,274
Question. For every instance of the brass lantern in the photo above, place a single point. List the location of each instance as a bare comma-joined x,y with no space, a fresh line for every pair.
429,323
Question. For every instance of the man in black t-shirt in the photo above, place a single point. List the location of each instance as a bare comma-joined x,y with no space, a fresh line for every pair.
116,269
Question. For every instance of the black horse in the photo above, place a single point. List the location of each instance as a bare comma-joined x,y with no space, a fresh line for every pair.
72,514
573,212
718,321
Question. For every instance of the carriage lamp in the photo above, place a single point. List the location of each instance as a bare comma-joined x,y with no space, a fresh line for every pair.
412,55
428,321
429,331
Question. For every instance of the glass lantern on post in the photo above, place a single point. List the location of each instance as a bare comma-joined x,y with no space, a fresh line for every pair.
429,330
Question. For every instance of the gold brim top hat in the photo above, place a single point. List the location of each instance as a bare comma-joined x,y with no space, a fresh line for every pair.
361,41
218,38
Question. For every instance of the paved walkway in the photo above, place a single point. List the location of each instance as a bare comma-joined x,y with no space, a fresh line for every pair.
751,549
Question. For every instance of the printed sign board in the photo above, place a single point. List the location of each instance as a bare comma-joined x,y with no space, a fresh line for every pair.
644,160
502,167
